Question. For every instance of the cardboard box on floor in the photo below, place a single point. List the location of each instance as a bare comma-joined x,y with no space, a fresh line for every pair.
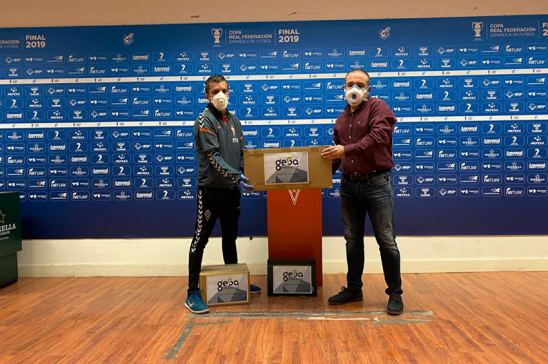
225,284
301,167
291,277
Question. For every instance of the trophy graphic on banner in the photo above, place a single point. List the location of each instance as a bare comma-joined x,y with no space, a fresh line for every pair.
216,34
477,26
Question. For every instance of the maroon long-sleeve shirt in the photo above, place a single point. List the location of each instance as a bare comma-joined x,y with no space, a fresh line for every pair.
366,135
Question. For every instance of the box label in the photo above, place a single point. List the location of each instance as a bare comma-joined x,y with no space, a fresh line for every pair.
288,279
286,168
226,288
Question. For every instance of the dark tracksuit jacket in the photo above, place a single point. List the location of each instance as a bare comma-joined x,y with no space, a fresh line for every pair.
219,149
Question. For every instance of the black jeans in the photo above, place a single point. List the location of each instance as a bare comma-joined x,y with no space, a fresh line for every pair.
213,203
371,196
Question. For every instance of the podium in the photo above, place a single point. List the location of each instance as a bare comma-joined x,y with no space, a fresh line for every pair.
10,237
293,178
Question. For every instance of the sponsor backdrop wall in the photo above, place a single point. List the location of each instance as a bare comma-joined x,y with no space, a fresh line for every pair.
96,122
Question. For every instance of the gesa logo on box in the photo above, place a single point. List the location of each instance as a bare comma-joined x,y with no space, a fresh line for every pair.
288,162
289,275
227,284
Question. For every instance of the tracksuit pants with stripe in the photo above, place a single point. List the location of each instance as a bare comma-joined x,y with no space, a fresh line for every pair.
213,204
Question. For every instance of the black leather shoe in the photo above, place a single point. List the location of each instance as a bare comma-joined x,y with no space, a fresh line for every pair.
344,296
395,305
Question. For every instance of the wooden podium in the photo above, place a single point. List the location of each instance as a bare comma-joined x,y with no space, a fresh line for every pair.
294,205
294,220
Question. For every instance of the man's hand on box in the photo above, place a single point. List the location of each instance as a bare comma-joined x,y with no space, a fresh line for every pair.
333,152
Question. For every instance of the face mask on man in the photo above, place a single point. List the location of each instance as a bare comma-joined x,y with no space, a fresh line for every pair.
355,95
220,101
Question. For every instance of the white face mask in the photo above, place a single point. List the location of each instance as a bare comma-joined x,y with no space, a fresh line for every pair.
354,95
220,101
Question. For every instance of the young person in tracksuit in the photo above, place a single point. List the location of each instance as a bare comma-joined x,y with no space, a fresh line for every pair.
219,149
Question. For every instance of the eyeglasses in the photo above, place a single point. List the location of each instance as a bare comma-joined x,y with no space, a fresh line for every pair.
359,84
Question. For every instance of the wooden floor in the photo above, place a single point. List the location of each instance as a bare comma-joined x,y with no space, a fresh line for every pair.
450,318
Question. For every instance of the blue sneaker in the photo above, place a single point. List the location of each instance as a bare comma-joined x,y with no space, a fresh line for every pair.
195,303
253,289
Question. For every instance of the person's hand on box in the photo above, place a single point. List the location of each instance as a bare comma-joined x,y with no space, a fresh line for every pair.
333,152
245,186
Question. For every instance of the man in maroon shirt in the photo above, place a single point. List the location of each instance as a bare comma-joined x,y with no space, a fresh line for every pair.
363,152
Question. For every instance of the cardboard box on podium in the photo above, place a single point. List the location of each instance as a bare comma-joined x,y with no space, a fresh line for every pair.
287,168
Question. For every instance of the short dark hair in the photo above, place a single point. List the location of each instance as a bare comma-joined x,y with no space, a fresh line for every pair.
213,79
358,70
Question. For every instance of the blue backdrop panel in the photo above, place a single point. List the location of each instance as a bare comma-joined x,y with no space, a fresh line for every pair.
96,122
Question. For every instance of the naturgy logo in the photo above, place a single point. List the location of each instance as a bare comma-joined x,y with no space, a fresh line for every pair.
293,274
287,162
227,284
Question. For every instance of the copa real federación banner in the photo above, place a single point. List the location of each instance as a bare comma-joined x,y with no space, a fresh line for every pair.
96,122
